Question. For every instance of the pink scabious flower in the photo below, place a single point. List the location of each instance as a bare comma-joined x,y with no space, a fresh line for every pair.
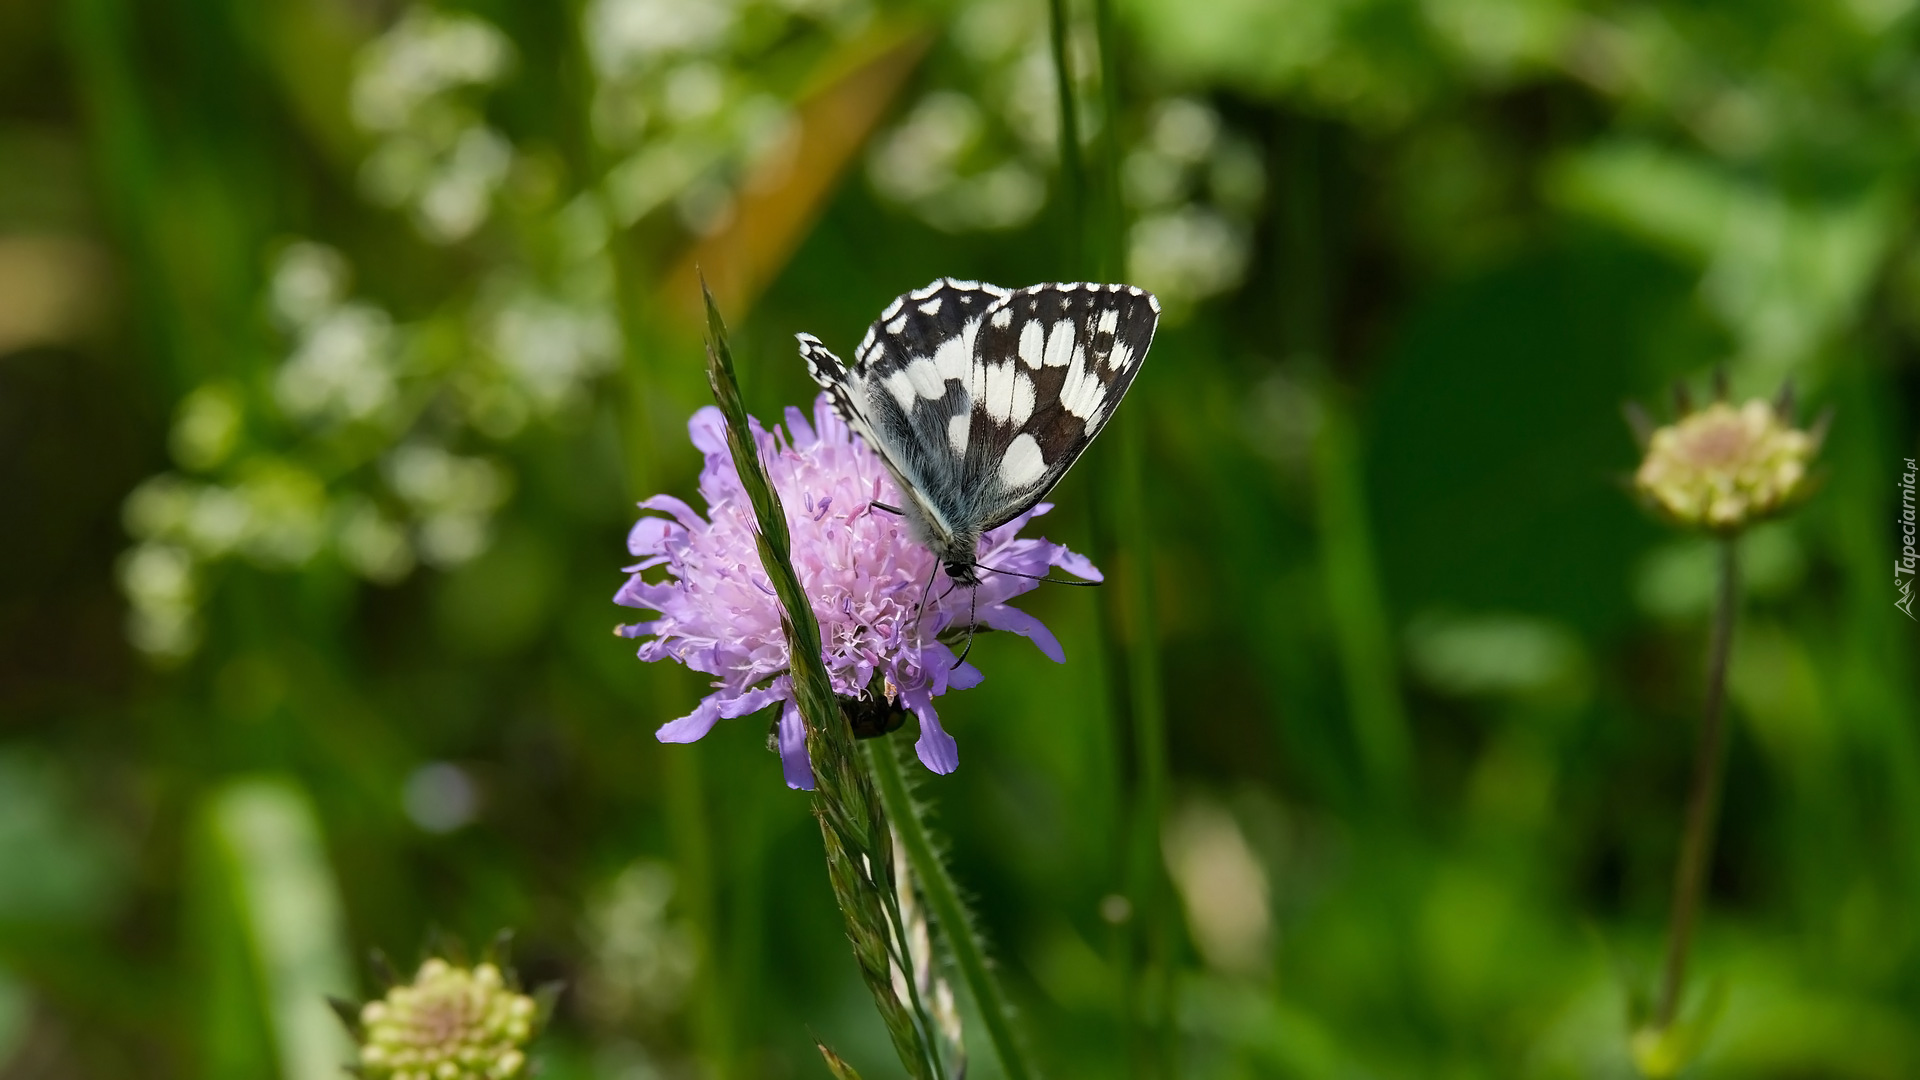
859,565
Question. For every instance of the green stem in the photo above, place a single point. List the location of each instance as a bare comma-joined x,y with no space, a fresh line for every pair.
1147,976
1073,174
1703,803
944,900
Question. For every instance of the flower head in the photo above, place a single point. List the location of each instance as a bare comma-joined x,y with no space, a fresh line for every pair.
866,576
1725,467
449,1023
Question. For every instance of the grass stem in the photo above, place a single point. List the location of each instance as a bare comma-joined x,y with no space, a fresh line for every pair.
943,898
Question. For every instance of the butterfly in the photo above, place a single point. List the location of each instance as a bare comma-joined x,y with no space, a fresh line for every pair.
979,399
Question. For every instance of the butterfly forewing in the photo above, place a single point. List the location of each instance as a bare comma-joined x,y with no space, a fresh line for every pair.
980,399
1051,363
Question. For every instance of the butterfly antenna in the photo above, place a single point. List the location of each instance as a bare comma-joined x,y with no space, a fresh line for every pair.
924,591
1034,577
973,609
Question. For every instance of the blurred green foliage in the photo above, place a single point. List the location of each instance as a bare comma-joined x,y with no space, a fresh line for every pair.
338,338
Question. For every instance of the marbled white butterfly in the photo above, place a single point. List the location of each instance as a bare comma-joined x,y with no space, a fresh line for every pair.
979,399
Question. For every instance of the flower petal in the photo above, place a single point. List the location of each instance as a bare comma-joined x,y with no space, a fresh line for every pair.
793,749
649,535
754,700
965,677
694,725
680,510
936,748
1076,564
797,427
708,429
1019,622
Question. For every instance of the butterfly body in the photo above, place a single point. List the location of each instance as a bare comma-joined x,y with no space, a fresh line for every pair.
979,399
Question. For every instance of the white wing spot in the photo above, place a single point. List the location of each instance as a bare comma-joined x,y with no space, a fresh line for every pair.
957,429
1093,422
1110,321
1022,466
1114,288
1003,318
954,357
1120,357
922,294
1152,302
901,387
931,307
1082,393
1022,398
894,309
1069,286
897,325
996,391
968,286
924,374
1033,343
1059,344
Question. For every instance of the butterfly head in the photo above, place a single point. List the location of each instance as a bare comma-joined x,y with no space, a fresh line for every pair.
965,574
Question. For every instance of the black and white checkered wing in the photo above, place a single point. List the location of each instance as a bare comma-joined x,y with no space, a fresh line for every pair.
980,398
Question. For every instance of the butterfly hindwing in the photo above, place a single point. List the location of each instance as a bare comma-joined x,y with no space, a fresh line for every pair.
979,399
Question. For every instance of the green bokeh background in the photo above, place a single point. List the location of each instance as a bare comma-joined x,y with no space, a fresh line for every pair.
1381,464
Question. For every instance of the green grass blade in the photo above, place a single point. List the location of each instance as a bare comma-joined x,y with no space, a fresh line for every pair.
853,826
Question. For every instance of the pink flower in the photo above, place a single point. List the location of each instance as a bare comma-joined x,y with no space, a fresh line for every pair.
864,573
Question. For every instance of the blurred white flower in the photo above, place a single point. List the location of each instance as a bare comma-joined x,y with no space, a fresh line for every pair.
453,496
1183,129
1187,254
550,347
340,369
371,544
456,198
627,36
307,281
161,584
436,155
918,158
426,54
643,956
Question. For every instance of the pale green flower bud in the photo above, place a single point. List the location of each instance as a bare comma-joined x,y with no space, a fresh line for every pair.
1725,467
450,1023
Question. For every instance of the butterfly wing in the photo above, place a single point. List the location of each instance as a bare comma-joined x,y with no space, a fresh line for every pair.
979,399
1050,365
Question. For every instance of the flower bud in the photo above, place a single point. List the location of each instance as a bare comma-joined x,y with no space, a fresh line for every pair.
450,1023
1725,467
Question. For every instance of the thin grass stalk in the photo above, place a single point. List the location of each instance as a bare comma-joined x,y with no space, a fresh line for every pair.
1360,626
853,825
1363,641
1703,803
1146,957
1129,609
949,913
1073,173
